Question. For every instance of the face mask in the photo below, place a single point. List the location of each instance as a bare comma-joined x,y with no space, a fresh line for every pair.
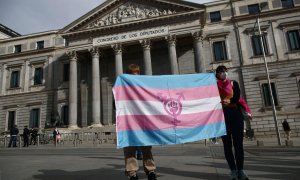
223,75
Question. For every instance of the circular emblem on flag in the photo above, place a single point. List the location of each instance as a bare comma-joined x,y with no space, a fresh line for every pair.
173,107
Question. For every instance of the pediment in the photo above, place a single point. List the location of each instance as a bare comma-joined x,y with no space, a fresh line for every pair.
118,12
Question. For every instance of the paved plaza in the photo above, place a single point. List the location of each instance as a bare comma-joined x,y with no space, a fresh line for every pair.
180,162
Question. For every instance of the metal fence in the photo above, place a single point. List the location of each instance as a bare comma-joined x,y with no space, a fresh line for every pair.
66,139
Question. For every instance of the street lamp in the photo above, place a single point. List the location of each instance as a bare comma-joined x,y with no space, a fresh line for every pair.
262,5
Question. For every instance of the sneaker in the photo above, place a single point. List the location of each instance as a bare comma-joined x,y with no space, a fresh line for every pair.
135,177
152,176
233,175
242,175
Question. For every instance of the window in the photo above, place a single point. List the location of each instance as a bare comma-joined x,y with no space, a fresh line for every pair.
219,49
215,16
66,72
15,79
267,95
287,3
293,39
65,115
256,44
18,48
34,118
11,120
253,9
38,76
40,45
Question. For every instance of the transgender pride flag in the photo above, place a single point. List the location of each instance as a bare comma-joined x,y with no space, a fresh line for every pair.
168,109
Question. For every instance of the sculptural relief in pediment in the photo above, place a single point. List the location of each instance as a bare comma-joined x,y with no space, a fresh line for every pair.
129,12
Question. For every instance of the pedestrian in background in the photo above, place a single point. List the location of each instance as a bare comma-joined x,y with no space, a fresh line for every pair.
56,136
234,120
287,129
13,136
26,134
34,134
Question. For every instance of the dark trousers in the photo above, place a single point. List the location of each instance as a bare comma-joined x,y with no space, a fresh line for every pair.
13,140
26,141
33,139
235,131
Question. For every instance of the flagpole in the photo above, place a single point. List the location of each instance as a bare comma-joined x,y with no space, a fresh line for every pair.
268,76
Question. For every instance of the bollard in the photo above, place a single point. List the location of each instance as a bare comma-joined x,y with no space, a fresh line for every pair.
5,142
75,140
20,143
38,140
289,143
55,141
96,139
260,143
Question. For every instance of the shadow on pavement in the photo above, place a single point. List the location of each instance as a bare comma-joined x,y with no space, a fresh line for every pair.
95,174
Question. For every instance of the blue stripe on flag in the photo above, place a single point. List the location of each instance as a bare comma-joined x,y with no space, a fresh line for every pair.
160,137
167,81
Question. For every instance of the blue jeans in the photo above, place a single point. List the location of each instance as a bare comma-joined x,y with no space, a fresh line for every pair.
235,131
13,140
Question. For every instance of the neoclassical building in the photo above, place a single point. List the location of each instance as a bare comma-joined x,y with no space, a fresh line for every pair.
65,77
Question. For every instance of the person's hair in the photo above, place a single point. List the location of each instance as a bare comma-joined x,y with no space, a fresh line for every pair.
221,69
133,68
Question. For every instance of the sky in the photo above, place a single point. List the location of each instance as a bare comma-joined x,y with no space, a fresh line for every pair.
32,16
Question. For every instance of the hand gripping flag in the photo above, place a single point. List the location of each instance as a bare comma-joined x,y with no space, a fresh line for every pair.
167,109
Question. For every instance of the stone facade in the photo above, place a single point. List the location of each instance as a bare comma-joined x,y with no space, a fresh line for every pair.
164,37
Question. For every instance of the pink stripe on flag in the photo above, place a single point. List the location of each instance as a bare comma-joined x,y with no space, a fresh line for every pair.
156,122
151,94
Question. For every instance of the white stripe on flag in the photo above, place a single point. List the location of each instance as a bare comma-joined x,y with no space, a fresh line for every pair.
157,108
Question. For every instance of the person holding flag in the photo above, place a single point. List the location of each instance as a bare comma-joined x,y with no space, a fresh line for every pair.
232,103
131,162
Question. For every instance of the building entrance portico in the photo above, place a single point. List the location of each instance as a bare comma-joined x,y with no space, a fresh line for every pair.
119,34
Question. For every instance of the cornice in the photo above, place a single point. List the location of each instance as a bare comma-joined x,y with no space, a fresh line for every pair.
220,34
255,29
30,52
8,31
132,23
35,35
90,15
266,14
265,77
109,4
295,74
250,66
291,23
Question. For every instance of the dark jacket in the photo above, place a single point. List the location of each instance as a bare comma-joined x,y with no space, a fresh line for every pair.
26,132
286,126
14,131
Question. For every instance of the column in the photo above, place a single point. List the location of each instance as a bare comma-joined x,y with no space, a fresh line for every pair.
28,78
73,90
147,56
198,51
3,79
172,54
96,109
50,76
118,59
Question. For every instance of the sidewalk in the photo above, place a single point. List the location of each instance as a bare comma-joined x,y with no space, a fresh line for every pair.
175,162
272,141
